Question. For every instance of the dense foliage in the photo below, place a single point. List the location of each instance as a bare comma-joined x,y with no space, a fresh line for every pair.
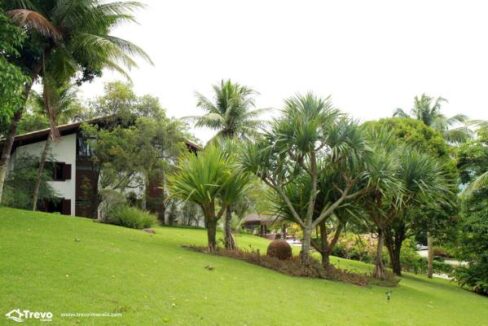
213,180
135,148
130,217
473,233
11,76
19,185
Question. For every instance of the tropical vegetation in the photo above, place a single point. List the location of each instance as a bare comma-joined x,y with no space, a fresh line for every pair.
374,191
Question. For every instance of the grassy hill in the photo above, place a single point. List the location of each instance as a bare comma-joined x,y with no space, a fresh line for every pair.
73,265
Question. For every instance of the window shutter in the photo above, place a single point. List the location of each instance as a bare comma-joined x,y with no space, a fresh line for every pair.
66,206
66,171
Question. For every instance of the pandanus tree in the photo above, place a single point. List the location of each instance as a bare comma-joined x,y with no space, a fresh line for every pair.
455,130
426,185
74,37
329,229
384,189
233,115
400,181
310,137
213,180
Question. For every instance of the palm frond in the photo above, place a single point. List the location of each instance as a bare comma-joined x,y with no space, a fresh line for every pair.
400,113
458,135
34,20
458,118
477,184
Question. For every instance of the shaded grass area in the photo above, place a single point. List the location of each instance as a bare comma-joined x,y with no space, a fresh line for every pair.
63,264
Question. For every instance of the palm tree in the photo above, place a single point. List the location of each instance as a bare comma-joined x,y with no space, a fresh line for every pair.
232,114
60,101
72,36
428,110
212,180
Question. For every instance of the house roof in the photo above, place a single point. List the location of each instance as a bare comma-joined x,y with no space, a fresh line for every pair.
259,219
66,129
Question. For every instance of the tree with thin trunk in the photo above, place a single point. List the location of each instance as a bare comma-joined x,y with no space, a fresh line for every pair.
385,189
213,180
59,100
75,38
305,141
298,193
231,111
402,180
455,130
232,114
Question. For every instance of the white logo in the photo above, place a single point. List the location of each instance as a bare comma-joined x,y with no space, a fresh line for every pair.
21,315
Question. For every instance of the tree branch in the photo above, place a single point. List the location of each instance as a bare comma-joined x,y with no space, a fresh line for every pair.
327,211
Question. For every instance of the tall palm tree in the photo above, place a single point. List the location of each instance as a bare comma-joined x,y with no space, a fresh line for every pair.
59,101
428,110
233,115
74,37
231,112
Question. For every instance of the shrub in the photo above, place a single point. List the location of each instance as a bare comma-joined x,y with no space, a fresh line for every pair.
294,267
442,252
130,217
279,249
356,247
363,248
18,189
475,276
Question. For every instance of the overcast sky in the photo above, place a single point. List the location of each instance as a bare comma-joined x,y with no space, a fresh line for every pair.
370,56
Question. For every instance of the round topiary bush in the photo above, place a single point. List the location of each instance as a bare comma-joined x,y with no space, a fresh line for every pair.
279,249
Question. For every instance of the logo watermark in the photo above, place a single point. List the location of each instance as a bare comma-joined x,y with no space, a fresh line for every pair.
91,314
20,316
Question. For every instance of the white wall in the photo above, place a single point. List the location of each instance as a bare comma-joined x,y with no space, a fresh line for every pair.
62,150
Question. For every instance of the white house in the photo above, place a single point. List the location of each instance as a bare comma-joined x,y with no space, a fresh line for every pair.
74,177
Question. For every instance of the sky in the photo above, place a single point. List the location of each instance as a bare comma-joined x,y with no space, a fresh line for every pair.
371,56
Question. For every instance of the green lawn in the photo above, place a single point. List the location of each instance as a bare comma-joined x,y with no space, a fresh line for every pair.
62,264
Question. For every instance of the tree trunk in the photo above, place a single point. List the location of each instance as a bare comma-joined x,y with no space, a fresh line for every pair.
40,171
7,149
394,252
305,253
396,264
162,214
229,241
430,256
283,231
12,132
394,240
379,267
324,245
211,234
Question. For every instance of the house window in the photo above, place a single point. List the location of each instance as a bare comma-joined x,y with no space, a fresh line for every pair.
60,171
84,148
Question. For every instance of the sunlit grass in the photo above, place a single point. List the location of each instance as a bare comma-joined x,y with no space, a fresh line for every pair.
63,264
